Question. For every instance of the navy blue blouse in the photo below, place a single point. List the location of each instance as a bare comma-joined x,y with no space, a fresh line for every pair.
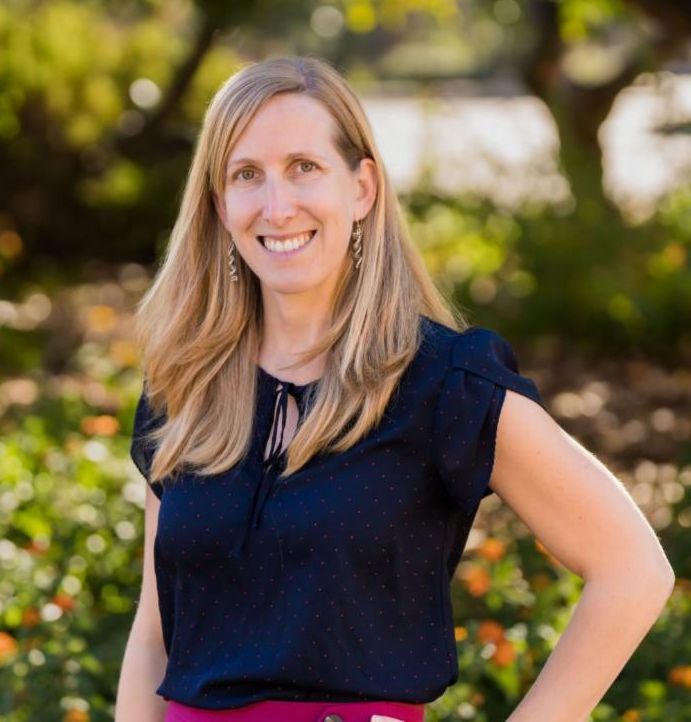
333,584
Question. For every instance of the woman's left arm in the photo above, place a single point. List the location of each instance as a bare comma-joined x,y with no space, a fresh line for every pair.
585,517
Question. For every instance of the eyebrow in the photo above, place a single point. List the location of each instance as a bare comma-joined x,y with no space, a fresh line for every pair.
290,156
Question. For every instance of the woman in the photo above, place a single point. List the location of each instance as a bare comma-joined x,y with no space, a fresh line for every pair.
317,429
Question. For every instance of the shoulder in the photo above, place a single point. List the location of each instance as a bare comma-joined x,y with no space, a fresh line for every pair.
475,348
142,445
145,416
476,360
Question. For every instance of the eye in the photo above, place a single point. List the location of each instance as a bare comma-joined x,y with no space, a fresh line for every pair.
307,162
240,175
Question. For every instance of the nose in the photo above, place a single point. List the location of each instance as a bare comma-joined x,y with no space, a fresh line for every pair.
279,204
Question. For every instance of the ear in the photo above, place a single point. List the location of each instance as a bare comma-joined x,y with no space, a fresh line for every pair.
366,181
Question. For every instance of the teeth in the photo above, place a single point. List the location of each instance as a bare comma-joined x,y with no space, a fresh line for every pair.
290,244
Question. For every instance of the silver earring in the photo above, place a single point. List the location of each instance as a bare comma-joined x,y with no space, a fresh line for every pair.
357,244
231,261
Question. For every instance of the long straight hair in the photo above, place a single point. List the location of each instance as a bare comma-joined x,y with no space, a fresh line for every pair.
199,334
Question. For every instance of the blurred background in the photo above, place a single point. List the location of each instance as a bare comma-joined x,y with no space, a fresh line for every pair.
542,153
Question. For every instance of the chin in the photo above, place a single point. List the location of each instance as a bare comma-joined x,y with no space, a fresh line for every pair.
288,285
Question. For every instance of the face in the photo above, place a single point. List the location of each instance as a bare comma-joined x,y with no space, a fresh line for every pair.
286,181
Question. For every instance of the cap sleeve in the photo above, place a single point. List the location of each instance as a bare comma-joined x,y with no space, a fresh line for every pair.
142,449
483,366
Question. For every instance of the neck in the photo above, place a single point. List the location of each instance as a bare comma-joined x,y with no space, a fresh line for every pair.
292,324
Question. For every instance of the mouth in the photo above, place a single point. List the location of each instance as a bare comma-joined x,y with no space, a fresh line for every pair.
289,247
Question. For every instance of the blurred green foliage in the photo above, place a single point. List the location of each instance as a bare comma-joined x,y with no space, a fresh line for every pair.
69,73
580,274
71,525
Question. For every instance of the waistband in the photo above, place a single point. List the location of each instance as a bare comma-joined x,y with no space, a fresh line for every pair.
293,711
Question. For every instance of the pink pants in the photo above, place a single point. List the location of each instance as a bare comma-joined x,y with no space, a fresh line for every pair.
289,711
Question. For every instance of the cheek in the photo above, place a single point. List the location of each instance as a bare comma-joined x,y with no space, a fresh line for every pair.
239,207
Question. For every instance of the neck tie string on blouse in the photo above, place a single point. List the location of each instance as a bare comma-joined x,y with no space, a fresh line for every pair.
262,490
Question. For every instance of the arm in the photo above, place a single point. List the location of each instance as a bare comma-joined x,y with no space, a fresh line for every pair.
585,517
145,658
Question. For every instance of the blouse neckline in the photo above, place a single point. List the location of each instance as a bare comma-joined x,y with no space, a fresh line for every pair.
289,384
273,399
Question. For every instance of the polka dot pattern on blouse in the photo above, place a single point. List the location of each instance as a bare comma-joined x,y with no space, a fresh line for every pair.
333,584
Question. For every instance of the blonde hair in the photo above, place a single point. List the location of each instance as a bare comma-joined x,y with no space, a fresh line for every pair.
199,333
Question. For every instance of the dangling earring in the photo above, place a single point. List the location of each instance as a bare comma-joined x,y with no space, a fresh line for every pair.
357,244
231,261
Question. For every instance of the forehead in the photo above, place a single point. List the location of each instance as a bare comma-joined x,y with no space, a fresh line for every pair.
285,124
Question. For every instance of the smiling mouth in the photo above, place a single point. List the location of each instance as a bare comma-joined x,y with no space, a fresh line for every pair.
292,245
